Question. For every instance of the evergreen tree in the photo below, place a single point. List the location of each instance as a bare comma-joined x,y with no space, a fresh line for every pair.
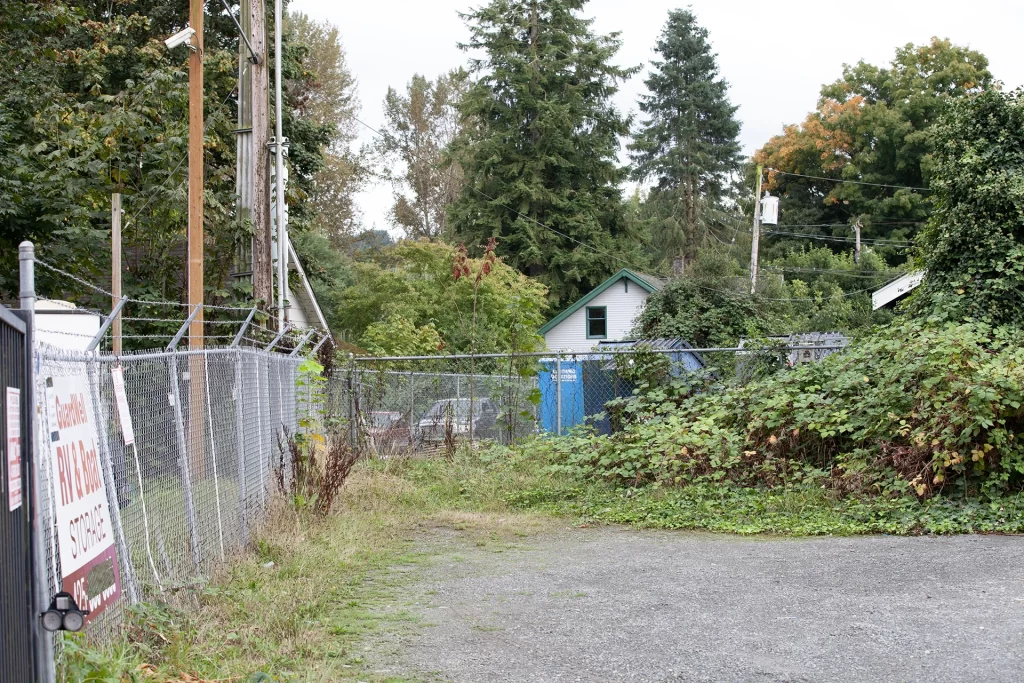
540,153
687,144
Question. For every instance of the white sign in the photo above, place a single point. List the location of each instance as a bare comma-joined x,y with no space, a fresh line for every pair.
13,448
121,399
567,375
88,557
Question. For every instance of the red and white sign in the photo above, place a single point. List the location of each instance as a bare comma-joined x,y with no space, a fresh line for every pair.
88,557
121,399
13,448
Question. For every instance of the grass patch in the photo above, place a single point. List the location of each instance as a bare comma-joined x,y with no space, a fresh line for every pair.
337,584
334,585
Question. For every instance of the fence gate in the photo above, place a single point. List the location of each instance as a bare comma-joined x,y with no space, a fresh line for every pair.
17,618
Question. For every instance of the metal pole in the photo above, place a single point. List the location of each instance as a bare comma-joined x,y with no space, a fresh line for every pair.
43,640
27,265
245,326
412,402
186,479
856,252
213,455
282,229
271,345
106,462
352,401
181,332
302,342
240,450
558,394
316,349
755,244
115,266
106,325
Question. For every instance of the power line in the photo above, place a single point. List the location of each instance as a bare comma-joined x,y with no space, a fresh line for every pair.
839,238
826,271
591,248
850,182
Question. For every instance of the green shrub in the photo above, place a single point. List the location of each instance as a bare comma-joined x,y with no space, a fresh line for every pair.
912,408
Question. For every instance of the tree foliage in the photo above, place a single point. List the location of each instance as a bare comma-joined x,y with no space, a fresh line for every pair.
411,287
540,157
422,123
871,126
323,91
973,247
688,142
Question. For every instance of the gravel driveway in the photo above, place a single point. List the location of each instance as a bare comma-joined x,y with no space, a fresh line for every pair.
623,605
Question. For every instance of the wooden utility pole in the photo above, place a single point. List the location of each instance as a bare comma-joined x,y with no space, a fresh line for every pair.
282,226
115,267
856,249
262,267
195,175
197,374
756,243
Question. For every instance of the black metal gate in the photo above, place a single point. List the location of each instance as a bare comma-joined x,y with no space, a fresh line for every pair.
17,617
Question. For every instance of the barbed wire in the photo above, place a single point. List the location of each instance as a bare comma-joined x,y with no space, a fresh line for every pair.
180,321
144,302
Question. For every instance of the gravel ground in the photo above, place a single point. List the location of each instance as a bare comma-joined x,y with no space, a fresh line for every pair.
624,605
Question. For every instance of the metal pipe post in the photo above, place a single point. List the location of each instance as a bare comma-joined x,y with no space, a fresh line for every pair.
558,394
27,267
240,449
186,479
106,462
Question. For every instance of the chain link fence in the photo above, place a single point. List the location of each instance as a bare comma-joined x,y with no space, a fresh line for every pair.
211,428
432,404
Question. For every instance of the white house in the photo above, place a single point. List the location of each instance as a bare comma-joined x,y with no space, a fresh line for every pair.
605,314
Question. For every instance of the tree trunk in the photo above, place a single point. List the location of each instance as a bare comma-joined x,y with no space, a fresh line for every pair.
262,268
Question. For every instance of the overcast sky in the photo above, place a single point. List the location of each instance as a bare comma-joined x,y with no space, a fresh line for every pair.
775,56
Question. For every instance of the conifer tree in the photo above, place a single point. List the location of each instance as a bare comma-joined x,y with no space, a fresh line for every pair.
540,154
688,142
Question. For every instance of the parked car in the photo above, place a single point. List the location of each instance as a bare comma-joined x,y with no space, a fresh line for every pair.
453,414
386,430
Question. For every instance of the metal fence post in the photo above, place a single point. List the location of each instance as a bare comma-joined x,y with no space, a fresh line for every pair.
352,383
106,461
558,394
186,479
243,512
43,640
412,402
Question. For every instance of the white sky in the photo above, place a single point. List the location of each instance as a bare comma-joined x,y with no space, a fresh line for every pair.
775,56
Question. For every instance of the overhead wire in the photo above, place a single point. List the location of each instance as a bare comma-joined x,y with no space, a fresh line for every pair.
851,182
585,245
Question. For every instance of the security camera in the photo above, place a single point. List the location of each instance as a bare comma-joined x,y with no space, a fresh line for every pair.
181,37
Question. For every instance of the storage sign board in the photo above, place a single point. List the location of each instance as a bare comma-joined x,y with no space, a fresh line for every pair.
88,557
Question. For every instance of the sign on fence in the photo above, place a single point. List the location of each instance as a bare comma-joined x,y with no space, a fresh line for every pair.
13,449
121,399
88,558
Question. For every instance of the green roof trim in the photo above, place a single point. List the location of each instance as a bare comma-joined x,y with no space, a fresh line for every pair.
624,274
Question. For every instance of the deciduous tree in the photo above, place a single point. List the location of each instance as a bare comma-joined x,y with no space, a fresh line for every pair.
422,124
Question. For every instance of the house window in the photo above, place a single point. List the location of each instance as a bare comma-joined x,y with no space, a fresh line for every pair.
597,322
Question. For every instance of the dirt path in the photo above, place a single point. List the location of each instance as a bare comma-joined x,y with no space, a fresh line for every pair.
623,605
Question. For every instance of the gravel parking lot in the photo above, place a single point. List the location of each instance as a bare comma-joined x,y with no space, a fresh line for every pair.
622,605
